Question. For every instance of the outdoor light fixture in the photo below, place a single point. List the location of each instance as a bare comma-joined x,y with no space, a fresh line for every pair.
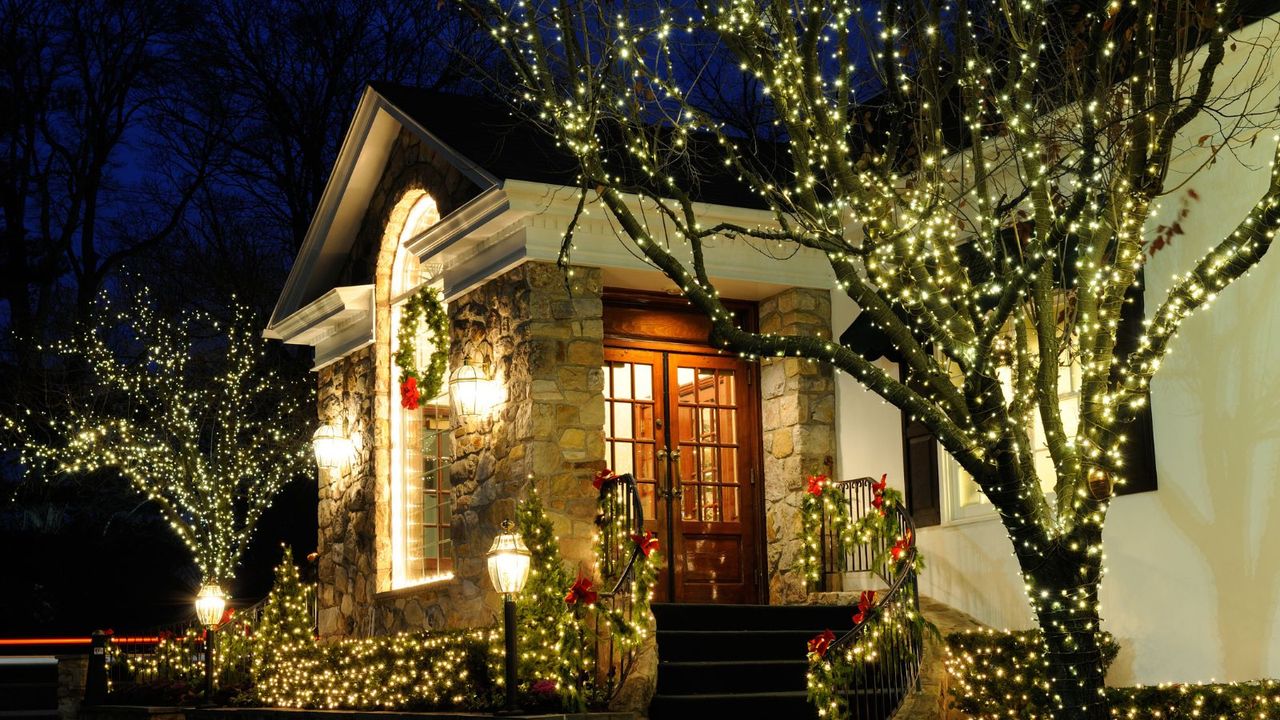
508,561
333,447
211,602
470,391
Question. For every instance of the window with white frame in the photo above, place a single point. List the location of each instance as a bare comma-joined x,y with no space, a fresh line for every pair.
939,490
421,440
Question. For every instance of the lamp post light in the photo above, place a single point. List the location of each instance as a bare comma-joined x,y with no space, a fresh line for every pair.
210,604
508,562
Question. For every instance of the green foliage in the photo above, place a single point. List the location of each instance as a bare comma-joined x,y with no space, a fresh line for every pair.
1222,701
1000,675
551,641
422,307
286,625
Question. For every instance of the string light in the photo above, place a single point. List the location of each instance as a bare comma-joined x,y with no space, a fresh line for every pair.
986,210
209,451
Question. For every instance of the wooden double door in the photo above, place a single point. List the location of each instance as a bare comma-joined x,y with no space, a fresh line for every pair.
686,426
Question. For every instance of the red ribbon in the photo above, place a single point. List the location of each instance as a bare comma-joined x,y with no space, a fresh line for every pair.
602,477
409,397
902,545
865,603
816,482
581,593
820,643
646,542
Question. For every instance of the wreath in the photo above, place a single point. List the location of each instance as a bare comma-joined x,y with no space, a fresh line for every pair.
423,308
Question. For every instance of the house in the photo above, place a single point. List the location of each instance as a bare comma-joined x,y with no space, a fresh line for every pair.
607,366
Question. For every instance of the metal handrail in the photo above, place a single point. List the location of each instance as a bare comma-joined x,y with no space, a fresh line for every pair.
620,658
900,576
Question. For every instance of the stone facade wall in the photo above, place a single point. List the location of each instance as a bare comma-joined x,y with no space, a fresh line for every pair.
345,546
798,422
542,344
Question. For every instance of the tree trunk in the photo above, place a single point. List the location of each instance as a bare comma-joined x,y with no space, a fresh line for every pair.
1066,608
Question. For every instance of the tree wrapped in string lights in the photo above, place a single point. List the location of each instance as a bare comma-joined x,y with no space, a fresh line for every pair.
189,412
978,176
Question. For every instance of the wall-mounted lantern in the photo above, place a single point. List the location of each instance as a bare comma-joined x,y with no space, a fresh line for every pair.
470,392
333,447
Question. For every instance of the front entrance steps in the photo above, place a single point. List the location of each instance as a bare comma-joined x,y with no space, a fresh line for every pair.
749,660
743,660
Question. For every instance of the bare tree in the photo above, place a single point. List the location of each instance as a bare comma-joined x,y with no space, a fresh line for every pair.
289,72
977,174
82,88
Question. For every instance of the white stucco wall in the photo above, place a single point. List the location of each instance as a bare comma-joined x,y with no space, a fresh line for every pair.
1193,590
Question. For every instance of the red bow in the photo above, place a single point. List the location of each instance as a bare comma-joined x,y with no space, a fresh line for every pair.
581,593
902,545
409,393
865,603
815,484
601,477
878,487
226,616
820,643
646,542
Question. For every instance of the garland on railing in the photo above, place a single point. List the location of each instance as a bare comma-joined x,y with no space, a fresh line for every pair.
880,529
822,497
893,619
423,308
611,522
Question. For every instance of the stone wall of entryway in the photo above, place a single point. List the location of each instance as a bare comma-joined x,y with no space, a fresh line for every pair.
542,343
798,411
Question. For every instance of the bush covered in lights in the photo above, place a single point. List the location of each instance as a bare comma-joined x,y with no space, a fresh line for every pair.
276,660
998,675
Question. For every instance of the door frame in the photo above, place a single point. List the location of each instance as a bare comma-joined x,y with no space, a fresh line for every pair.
622,307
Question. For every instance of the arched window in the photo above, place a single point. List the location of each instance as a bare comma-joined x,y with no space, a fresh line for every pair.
421,442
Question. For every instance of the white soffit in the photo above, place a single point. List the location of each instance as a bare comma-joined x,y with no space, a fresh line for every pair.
335,324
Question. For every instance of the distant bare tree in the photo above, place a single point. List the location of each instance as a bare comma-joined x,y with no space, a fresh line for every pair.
289,72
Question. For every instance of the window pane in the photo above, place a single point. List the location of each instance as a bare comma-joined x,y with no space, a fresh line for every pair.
644,382
728,395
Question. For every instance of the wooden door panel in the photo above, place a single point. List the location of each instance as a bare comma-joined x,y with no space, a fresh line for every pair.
684,425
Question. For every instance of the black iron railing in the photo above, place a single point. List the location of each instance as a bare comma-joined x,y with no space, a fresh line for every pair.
622,517
882,653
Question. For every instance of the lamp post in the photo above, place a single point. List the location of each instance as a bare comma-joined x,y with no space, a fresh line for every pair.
508,562
210,604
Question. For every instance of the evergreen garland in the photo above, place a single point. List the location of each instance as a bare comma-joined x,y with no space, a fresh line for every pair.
551,647
422,308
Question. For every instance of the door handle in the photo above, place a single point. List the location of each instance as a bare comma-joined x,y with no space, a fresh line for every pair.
673,489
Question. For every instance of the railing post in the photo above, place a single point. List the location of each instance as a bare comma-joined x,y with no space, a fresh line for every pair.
95,682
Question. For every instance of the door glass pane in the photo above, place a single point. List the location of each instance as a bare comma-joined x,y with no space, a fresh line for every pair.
644,382
622,380
728,396
706,386
685,427
644,421
623,429
729,498
728,428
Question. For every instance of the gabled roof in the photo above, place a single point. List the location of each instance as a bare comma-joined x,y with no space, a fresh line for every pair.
482,138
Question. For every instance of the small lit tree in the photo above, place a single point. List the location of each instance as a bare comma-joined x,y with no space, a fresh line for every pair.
977,174
189,412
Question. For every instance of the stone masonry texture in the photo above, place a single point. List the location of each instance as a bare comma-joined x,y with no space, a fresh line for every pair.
798,411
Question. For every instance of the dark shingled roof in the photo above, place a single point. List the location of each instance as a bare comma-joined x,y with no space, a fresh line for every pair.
489,133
